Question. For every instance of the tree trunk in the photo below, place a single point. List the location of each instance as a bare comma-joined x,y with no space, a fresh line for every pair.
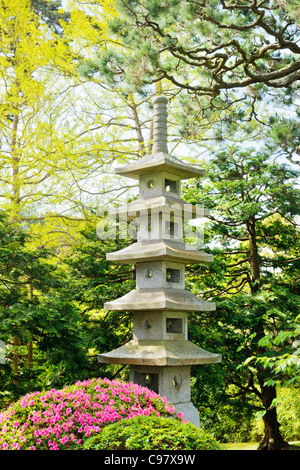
273,439
29,355
138,128
15,362
254,258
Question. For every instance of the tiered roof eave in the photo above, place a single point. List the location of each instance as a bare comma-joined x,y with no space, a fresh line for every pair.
160,353
159,250
160,162
160,299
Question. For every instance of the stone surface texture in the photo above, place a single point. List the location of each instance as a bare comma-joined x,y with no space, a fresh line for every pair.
160,354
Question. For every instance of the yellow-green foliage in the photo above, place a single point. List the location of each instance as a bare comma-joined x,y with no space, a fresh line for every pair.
55,138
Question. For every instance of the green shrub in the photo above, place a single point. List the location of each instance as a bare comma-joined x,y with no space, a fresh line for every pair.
64,419
151,433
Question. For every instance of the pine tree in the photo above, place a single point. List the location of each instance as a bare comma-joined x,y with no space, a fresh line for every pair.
255,276
207,47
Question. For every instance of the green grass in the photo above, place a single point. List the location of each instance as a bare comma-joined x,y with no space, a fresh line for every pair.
251,445
240,446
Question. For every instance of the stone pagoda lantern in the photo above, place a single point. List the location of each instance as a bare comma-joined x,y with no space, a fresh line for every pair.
160,355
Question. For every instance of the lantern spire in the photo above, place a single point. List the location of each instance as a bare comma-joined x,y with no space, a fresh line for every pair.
160,130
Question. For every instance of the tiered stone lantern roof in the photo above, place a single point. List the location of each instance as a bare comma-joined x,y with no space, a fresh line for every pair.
160,354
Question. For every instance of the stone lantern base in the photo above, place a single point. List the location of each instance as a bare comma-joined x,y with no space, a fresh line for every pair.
173,382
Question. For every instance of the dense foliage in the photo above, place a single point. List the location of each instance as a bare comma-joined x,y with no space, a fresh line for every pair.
254,277
52,322
151,433
206,47
76,100
39,326
64,419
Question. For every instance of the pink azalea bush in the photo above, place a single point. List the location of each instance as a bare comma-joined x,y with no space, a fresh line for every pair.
64,419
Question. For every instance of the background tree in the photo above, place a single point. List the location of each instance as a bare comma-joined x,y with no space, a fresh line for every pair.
92,281
78,106
206,47
50,13
255,239
40,328
222,60
209,52
57,146
52,320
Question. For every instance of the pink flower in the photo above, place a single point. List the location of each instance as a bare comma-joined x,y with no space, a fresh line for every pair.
64,440
61,414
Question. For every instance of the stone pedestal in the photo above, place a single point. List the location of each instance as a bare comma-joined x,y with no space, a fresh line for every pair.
160,354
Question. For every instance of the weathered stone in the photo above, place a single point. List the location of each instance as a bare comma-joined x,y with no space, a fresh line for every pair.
155,250
160,299
160,325
172,382
160,162
189,412
157,274
160,354
160,130
161,204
